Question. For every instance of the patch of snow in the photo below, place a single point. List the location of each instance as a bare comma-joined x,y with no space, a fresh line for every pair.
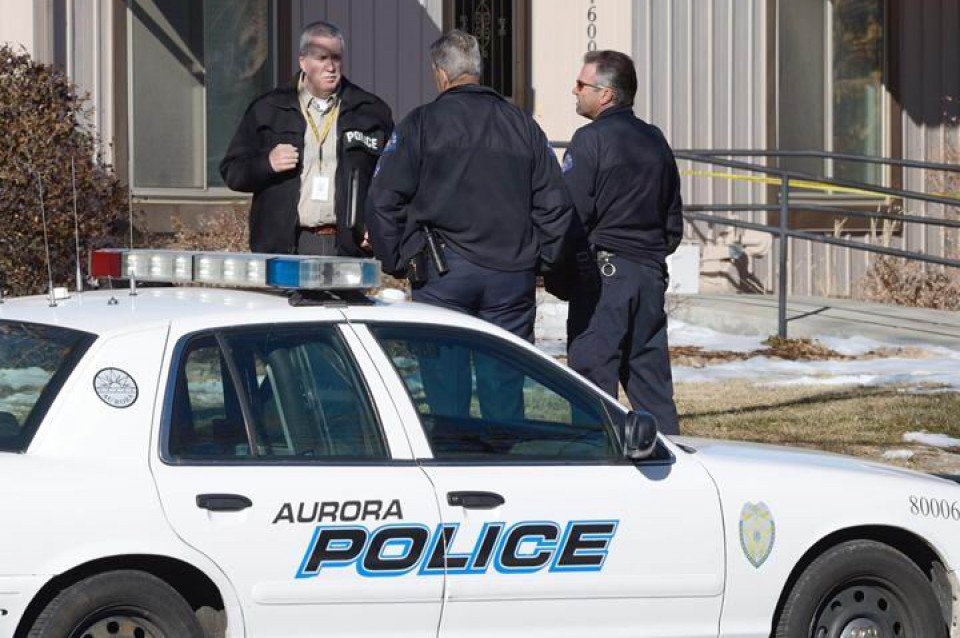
773,372
939,366
898,454
858,379
931,440
392,295
684,334
853,346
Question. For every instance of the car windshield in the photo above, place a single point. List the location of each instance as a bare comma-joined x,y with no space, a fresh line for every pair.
34,361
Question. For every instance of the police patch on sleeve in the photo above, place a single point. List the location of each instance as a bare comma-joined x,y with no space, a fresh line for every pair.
391,143
567,162
370,142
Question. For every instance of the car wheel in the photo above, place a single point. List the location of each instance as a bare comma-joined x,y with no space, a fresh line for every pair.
120,604
862,589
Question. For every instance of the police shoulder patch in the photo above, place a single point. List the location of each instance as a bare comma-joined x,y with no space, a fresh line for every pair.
392,143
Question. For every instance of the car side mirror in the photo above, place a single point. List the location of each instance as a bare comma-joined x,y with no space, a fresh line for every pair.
639,435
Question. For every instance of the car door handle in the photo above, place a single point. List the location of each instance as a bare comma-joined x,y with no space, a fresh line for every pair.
475,500
223,502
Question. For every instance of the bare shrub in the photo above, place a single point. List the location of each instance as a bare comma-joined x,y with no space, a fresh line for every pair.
912,283
903,282
907,283
223,230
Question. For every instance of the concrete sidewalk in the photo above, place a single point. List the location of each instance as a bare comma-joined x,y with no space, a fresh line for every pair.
819,316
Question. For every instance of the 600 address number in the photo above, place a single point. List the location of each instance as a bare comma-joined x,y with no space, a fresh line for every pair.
934,508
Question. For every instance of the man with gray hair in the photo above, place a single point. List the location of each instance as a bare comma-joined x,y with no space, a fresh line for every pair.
307,152
476,173
468,202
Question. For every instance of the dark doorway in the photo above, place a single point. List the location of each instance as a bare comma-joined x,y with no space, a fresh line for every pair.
501,27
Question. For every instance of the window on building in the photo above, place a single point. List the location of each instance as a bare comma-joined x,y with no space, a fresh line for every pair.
194,68
857,85
832,83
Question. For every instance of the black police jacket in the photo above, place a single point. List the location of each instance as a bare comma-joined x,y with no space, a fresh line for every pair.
480,172
363,125
624,182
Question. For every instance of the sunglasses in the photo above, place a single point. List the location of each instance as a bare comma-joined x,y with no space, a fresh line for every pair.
581,84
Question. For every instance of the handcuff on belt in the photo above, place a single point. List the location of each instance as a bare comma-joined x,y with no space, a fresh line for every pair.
607,267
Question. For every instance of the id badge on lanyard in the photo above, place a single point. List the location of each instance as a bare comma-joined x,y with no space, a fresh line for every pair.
320,184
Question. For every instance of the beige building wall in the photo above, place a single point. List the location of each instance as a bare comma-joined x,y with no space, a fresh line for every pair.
561,33
17,25
84,52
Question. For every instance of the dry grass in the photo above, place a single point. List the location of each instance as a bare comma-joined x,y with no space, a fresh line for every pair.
864,422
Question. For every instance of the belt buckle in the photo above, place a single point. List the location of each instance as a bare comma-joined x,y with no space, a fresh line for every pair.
323,229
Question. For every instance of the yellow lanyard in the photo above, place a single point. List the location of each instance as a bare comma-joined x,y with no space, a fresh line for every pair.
328,121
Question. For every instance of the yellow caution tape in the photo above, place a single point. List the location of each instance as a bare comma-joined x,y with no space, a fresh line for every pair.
799,183
805,184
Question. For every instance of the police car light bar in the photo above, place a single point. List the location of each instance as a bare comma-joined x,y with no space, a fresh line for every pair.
247,270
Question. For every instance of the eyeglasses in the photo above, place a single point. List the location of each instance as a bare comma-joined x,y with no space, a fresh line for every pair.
581,84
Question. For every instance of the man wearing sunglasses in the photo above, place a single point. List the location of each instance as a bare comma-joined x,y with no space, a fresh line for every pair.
624,182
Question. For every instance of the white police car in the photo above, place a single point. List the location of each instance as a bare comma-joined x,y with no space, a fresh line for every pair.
190,462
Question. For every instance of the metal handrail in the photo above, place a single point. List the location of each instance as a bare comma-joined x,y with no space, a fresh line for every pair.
845,157
829,181
783,230
784,233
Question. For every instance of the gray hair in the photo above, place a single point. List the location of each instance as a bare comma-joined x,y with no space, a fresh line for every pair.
319,29
617,71
457,53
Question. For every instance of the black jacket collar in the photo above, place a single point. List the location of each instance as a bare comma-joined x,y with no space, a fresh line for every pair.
470,88
616,110
351,96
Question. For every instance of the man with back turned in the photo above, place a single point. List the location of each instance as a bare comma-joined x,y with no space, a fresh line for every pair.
475,173
467,201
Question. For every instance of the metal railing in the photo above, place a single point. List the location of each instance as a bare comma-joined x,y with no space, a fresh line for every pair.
783,231
785,180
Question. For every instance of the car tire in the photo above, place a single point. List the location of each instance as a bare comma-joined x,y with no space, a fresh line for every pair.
119,604
862,585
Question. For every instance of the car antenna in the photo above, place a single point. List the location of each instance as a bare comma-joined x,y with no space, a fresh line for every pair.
46,239
130,275
76,220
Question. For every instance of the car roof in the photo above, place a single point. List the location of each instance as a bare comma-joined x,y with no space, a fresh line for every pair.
108,311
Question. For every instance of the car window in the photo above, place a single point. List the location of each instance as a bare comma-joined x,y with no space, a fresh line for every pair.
303,396
481,396
34,361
